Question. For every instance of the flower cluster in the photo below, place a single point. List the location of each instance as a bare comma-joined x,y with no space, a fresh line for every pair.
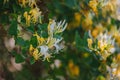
47,46
32,16
103,45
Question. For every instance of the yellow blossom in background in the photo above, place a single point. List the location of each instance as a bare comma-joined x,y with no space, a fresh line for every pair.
93,5
87,23
111,7
85,11
97,30
76,22
73,69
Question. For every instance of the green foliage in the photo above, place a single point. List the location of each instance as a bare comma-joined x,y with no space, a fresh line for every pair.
13,28
81,43
18,57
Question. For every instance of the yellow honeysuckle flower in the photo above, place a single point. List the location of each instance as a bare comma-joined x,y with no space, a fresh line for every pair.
73,69
27,18
77,17
98,29
41,40
35,14
31,49
34,52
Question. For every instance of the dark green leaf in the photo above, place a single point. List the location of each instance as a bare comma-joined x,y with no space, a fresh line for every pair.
34,41
19,58
20,41
13,28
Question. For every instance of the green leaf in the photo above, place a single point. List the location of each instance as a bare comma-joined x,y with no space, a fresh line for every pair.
13,28
24,51
19,58
77,39
20,41
71,3
34,41
4,19
44,34
85,38
31,28
81,43
32,60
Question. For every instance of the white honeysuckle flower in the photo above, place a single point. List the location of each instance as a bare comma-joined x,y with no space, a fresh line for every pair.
57,45
105,45
43,49
44,52
61,26
54,27
51,27
51,41
105,38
